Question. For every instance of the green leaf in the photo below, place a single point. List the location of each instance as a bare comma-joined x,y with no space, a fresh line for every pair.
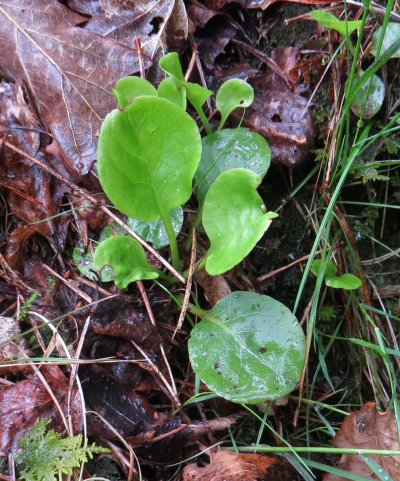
147,157
249,348
127,258
85,264
370,99
318,265
155,232
171,65
168,90
232,94
346,281
234,219
392,35
196,94
229,149
129,88
328,20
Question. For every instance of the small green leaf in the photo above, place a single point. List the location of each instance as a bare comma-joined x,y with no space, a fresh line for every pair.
168,90
392,35
248,349
127,258
232,94
233,219
85,264
155,232
171,65
370,99
318,265
346,281
229,149
196,94
129,88
328,20
147,157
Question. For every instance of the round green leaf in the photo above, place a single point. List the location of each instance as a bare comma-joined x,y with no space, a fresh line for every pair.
128,88
155,232
232,94
127,258
392,35
147,157
249,348
370,99
229,149
234,219
168,90
346,281
171,65
318,265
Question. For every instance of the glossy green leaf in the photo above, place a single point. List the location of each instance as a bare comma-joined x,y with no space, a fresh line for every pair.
155,232
229,149
370,99
318,265
168,90
128,88
232,94
234,219
392,35
328,20
147,157
196,94
348,282
127,258
248,349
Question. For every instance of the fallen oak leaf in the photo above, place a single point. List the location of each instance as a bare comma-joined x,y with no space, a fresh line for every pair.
368,428
70,72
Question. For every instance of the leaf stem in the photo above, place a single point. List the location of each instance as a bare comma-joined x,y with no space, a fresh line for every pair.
203,119
172,240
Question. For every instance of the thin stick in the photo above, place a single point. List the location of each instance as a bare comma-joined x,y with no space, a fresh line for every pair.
189,281
98,204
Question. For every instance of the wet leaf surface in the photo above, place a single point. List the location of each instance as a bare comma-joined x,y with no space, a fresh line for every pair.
72,75
368,428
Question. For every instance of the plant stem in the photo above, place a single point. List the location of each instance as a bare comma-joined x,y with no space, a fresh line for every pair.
204,119
323,450
172,241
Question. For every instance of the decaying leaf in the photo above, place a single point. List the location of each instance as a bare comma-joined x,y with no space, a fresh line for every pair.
70,72
11,345
368,428
156,22
225,465
21,404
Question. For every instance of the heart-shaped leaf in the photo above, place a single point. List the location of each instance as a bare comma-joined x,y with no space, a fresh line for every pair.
229,149
148,154
346,281
129,88
155,232
232,94
328,20
370,99
234,219
168,90
392,35
127,258
249,348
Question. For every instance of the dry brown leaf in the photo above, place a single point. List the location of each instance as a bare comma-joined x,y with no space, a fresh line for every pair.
155,22
12,346
70,72
226,466
368,428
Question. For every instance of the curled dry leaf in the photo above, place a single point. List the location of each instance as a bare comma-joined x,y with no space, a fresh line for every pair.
368,428
70,72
